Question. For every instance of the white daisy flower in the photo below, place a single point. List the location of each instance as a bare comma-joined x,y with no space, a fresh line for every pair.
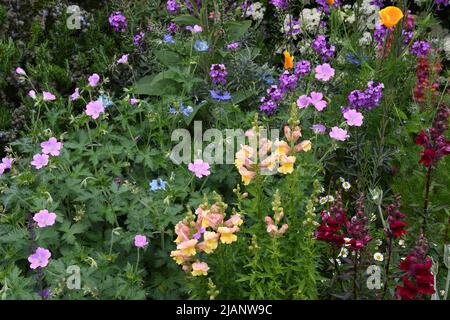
330,199
378,256
343,253
346,185
323,200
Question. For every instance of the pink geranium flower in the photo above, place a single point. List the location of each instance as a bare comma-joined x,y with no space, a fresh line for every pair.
123,59
353,117
194,29
199,168
44,218
39,259
94,108
317,101
7,162
303,101
140,241
324,72
93,80
32,94
133,101
75,95
51,146
2,169
338,134
48,96
40,161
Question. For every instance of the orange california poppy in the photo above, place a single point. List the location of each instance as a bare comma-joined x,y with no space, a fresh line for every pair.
330,2
288,60
390,16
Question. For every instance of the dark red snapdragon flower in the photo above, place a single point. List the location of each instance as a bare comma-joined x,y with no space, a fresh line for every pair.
357,227
395,220
434,143
332,223
419,280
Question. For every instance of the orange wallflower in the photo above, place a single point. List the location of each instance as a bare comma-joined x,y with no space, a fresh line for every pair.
288,60
390,16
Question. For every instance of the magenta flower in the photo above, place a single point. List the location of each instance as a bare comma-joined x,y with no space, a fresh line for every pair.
338,134
303,101
93,80
94,108
39,161
194,29
44,218
140,241
48,96
324,72
318,128
75,95
20,71
7,162
133,101
353,117
51,146
32,94
317,101
39,259
199,168
123,59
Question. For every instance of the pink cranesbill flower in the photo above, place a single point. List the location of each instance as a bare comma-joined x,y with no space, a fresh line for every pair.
7,162
93,80
2,169
194,29
32,94
338,134
39,259
123,59
317,101
199,168
20,71
353,117
133,101
39,161
303,101
51,146
75,95
94,108
44,218
48,96
324,72
140,241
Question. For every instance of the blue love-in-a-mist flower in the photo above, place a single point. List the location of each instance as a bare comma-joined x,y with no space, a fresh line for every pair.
168,38
221,96
157,184
201,46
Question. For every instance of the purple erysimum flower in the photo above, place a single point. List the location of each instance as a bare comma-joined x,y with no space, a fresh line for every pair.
39,259
338,134
288,81
302,68
325,50
51,146
367,99
44,218
274,93
268,106
172,6
199,168
48,96
118,21
280,4
94,108
140,241
233,46
420,48
218,72
221,96
138,39
324,72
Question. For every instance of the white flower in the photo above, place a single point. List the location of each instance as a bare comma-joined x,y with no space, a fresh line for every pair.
341,179
330,199
343,253
323,200
378,256
310,19
255,11
379,242
401,243
365,39
347,241
346,185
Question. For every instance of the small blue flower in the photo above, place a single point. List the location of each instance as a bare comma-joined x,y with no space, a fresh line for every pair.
168,39
105,101
157,184
268,79
172,110
221,96
201,46
186,111
352,59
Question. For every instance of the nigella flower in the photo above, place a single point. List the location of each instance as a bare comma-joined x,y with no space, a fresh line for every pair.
353,59
420,48
201,46
157,184
118,21
221,96
105,100
168,39
186,111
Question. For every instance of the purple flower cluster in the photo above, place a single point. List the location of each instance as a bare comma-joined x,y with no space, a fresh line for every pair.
218,72
138,39
379,34
280,4
288,81
367,99
325,50
325,7
172,28
407,37
274,93
118,21
172,6
302,68
357,227
377,3
267,105
420,48
443,2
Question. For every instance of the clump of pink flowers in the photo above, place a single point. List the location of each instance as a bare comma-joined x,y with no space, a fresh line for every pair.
273,224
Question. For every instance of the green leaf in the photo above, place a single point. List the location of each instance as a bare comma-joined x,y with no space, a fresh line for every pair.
168,58
236,29
186,19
